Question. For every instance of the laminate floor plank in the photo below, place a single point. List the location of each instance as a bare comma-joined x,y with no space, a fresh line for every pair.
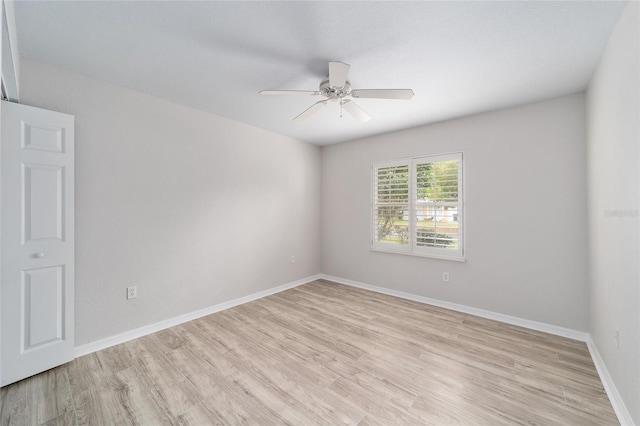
40,399
372,401
87,372
275,356
66,419
331,408
199,415
102,405
17,406
232,405
413,377
52,394
197,334
139,403
452,409
318,337
323,353
272,397
170,390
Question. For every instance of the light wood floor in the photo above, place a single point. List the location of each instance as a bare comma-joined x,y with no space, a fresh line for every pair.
318,354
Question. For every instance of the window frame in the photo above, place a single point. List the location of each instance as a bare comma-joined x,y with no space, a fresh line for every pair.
411,248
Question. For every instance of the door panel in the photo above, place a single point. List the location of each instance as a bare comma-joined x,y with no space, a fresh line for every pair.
42,138
43,317
37,240
43,207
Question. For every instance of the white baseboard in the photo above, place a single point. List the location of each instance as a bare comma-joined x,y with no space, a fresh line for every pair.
612,392
534,325
152,328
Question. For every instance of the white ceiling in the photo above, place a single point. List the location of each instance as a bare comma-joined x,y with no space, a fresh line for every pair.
459,58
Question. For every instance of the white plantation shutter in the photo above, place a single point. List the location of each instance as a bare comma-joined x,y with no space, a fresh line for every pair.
438,205
391,207
417,206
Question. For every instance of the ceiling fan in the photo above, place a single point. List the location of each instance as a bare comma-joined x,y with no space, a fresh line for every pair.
337,88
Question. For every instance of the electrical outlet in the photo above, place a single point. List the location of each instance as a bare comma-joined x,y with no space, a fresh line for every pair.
616,335
445,277
132,292
293,258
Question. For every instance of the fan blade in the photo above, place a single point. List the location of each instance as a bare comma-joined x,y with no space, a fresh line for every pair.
338,72
289,92
309,111
405,94
355,111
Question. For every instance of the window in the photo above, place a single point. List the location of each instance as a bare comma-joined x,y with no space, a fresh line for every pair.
417,206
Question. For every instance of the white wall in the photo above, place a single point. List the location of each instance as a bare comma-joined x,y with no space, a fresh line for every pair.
525,210
192,208
613,109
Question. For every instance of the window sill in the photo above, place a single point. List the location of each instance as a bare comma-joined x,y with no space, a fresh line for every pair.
432,256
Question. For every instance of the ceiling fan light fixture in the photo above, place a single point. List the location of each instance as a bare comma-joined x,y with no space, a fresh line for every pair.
332,92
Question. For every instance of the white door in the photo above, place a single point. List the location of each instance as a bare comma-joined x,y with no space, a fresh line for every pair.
36,232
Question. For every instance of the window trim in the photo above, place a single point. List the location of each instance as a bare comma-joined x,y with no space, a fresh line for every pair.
411,247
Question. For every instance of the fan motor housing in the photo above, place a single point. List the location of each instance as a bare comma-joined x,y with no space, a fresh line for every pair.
334,92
